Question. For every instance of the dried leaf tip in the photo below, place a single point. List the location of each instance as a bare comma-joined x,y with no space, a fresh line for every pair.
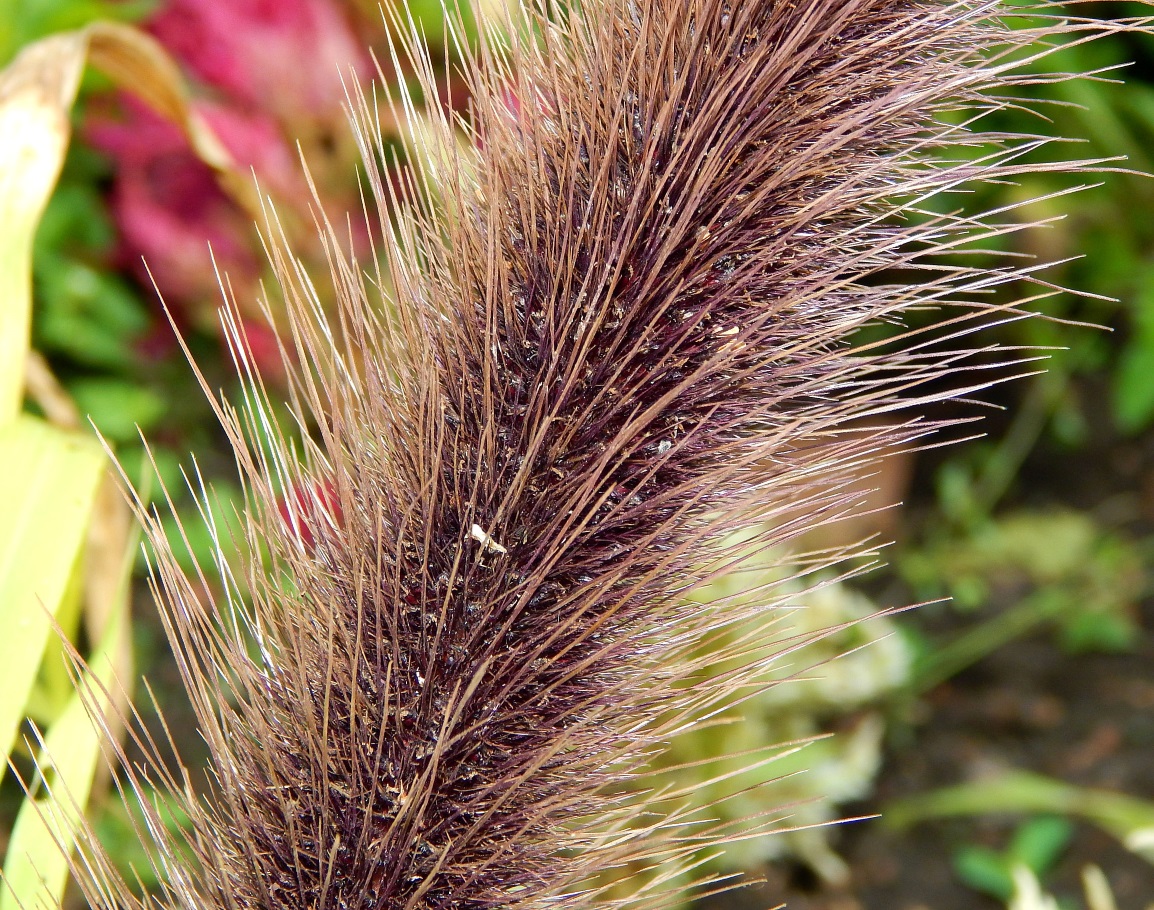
623,330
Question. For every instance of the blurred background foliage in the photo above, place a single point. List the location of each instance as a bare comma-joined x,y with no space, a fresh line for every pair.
1041,532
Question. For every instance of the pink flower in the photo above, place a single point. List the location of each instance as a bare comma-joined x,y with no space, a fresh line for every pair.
273,70
170,210
286,57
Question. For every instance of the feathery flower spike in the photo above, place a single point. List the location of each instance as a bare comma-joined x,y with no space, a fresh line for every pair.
620,332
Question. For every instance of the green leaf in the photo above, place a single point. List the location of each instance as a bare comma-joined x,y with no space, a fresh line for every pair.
75,218
117,407
90,315
1039,842
984,870
1134,385
49,482
1107,633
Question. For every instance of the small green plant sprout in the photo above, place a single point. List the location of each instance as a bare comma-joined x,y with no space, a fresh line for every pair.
1037,842
1035,847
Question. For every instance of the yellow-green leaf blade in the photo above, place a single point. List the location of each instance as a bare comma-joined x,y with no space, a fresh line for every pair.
37,867
49,482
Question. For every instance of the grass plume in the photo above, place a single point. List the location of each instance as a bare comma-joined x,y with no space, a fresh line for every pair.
621,331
